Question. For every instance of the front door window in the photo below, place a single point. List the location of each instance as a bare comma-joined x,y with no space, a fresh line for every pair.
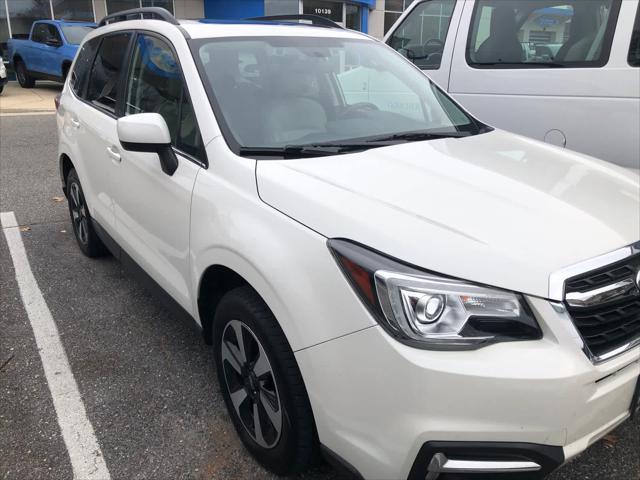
422,35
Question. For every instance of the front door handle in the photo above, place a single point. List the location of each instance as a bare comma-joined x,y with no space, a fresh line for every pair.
114,154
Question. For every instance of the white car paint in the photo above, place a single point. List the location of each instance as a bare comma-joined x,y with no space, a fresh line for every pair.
495,208
498,204
595,111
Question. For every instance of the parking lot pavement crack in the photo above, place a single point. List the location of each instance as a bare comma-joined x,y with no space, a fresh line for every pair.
6,362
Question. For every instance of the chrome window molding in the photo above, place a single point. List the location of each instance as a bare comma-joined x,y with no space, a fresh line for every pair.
558,279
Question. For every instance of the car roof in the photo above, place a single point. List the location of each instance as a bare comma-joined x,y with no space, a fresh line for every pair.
208,28
68,22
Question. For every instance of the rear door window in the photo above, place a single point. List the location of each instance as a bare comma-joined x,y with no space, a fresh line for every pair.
155,85
423,33
82,66
634,49
106,70
542,33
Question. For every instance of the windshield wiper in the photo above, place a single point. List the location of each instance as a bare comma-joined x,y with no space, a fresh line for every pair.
336,148
417,136
302,151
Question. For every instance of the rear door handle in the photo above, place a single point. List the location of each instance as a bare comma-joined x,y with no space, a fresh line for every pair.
114,154
74,123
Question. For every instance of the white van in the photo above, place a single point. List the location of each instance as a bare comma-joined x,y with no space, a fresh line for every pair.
563,71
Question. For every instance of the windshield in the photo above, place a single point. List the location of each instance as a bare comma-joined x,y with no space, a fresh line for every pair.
75,34
277,92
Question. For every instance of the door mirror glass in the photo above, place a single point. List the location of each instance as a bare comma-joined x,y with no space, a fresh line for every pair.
148,132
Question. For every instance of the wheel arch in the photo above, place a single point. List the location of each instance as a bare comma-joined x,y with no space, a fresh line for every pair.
214,283
16,58
66,165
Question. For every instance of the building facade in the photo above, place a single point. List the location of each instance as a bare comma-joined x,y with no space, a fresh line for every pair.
370,16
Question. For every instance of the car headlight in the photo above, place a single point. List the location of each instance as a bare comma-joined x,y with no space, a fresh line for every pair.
432,311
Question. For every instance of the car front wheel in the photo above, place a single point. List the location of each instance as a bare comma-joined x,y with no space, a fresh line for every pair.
262,385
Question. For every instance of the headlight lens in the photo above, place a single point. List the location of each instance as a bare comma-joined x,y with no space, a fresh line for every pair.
431,311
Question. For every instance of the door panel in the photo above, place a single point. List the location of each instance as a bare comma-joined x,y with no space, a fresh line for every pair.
578,75
596,108
34,60
95,131
95,121
153,218
153,209
535,116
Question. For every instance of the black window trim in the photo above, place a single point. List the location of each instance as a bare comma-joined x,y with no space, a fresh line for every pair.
446,34
83,88
607,43
204,162
635,35
83,97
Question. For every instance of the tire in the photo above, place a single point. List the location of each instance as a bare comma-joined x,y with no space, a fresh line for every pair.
1,88
83,230
24,79
258,384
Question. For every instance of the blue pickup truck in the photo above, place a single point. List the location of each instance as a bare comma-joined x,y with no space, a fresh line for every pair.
49,51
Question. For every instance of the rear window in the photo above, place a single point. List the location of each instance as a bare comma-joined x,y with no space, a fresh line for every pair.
105,74
634,49
76,33
542,33
83,66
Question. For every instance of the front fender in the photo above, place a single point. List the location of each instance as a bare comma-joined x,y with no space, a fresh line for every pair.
288,264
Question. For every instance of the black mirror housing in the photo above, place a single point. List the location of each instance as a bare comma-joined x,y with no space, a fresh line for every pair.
168,159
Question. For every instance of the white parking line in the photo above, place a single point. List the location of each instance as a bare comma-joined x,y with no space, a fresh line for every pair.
84,451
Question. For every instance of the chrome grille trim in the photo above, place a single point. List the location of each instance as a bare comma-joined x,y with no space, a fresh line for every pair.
603,294
558,279
578,301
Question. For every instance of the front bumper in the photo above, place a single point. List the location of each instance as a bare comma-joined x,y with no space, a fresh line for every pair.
377,402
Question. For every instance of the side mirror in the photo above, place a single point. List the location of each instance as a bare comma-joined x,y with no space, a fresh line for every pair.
148,132
53,42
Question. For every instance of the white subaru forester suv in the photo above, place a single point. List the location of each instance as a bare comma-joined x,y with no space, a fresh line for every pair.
384,278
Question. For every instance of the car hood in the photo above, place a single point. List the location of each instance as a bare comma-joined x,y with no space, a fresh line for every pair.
495,208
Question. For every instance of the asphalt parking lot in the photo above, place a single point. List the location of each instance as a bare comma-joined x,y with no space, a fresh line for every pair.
146,379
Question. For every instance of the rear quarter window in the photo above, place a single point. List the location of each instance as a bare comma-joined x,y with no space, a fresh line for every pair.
634,49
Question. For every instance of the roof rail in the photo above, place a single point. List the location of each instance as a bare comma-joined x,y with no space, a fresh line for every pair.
152,13
314,19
